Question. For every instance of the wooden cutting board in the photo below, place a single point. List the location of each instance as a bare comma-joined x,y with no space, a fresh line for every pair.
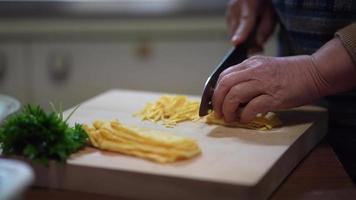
235,163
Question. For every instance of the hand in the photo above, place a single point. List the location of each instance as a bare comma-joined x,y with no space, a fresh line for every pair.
271,83
265,84
242,16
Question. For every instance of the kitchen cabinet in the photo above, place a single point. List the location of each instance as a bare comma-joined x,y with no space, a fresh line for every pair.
73,72
14,70
69,60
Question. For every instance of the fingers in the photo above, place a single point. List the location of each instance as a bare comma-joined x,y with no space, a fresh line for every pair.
244,29
232,24
266,25
241,18
223,87
233,16
260,104
246,64
238,94
231,69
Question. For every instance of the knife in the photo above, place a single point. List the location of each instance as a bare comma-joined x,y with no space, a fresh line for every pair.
235,56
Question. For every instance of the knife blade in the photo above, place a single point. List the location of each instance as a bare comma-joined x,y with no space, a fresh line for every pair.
235,56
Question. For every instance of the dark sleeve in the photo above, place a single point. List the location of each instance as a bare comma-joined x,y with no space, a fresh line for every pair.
347,35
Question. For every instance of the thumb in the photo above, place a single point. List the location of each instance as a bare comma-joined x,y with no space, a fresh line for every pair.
244,29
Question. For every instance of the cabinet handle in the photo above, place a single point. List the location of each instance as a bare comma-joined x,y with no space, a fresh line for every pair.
144,49
59,65
3,65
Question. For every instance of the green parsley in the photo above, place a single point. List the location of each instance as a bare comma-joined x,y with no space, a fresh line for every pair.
41,137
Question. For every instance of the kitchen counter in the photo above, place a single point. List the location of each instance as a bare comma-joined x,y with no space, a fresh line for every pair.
319,176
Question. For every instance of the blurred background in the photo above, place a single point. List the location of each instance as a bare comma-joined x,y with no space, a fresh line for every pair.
65,51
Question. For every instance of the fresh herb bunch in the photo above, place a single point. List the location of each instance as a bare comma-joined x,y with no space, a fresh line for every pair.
41,137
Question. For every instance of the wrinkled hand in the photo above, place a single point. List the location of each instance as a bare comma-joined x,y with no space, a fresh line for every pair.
266,84
242,17
271,83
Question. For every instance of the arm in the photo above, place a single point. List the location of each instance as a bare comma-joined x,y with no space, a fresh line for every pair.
273,83
336,62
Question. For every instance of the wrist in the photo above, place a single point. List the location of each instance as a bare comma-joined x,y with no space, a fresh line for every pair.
304,79
314,82
333,69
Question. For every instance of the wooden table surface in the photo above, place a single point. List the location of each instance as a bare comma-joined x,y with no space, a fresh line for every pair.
319,176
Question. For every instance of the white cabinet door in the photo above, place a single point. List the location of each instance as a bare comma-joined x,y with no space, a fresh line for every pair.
14,74
70,72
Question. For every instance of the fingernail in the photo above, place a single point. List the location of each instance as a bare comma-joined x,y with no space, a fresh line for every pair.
235,38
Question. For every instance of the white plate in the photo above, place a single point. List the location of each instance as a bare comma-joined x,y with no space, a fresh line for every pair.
8,106
15,177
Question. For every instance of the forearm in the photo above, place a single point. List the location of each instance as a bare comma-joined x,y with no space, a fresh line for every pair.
335,70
